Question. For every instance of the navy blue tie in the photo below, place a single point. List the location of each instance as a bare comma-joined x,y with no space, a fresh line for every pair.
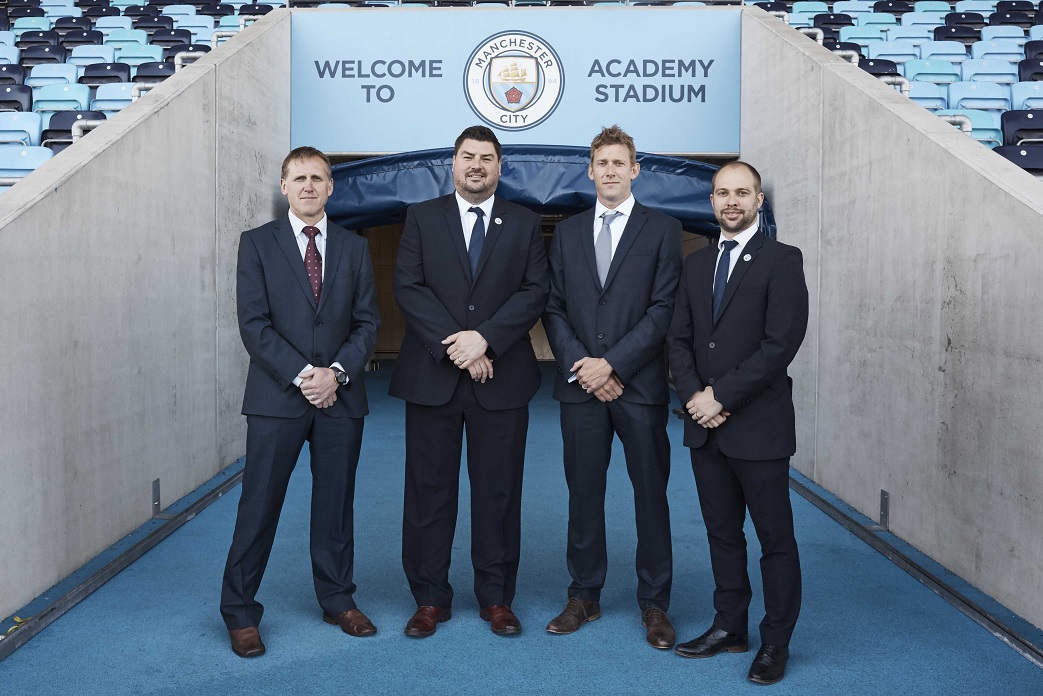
720,279
474,249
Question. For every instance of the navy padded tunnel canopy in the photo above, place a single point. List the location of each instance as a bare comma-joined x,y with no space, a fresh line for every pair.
549,179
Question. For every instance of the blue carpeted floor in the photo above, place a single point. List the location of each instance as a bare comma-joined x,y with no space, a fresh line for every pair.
866,626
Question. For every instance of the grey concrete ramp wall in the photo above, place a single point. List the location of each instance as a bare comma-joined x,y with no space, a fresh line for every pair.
121,356
920,373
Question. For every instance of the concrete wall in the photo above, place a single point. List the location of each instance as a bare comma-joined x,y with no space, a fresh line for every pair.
121,356
920,371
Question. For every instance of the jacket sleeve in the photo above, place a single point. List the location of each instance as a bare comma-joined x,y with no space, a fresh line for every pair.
680,343
564,343
365,320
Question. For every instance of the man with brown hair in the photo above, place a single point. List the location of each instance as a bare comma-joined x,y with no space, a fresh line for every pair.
614,271
308,317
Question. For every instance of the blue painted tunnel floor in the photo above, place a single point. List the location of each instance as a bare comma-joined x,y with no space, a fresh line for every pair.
866,627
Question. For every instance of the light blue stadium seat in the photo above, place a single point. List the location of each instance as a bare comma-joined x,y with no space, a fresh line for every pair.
201,26
935,6
61,98
24,24
928,95
897,51
18,162
112,98
53,12
952,51
20,127
228,23
810,7
89,55
989,96
1005,32
7,38
1036,33
52,74
912,35
135,55
109,24
982,7
863,36
119,38
8,55
179,10
936,71
985,125
929,20
989,70
999,50
852,8
876,19
124,3
801,19
1026,95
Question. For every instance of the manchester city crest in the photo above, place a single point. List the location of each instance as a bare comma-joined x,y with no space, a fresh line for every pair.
513,80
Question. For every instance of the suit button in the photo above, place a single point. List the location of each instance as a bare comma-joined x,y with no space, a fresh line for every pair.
470,307
602,302
710,380
712,344
318,323
601,335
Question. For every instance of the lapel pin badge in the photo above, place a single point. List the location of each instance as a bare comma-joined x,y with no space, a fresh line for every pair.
497,221
747,257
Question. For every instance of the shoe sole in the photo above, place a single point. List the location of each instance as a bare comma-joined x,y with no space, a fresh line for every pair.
732,649
329,619
763,682
509,631
424,634
559,632
248,655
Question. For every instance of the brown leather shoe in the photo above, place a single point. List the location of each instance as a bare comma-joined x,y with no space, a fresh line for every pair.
501,619
426,620
246,642
353,622
658,631
576,613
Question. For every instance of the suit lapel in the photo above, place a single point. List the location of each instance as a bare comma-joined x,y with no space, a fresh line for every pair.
456,234
749,255
635,221
585,220
334,249
492,234
285,239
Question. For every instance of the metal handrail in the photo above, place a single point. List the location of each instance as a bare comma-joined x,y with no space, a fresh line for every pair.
848,55
814,32
964,122
896,80
80,128
140,88
186,57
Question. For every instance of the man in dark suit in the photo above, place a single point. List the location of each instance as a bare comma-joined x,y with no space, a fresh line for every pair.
471,280
614,273
308,317
741,315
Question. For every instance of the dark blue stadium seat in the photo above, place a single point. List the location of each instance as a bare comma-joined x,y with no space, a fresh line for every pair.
58,134
1016,6
104,73
164,3
40,55
37,38
16,98
832,21
100,11
23,3
84,4
141,11
772,6
1028,157
153,72
63,25
255,9
170,51
1022,127
965,19
82,38
962,33
14,13
843,46
1010,19
1030,70
12,75
895,7
1033,49
879,66
216,10
153,24
171,37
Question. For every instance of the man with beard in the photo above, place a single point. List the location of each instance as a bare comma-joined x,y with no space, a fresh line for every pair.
471,281
740,317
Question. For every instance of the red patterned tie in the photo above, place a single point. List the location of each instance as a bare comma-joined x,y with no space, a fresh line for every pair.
313,262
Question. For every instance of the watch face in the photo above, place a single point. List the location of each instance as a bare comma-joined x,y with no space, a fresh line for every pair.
342,377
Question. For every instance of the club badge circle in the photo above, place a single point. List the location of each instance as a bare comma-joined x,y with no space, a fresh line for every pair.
513,80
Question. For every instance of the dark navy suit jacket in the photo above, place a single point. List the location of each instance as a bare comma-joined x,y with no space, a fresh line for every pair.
284,329
626,321
744,355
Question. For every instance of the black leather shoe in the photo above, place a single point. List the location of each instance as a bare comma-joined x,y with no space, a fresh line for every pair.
658,631
712,642
770,664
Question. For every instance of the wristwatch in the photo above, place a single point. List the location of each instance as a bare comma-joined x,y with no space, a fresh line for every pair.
341,375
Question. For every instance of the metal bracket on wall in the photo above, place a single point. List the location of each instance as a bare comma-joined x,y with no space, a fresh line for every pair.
885,514
157,513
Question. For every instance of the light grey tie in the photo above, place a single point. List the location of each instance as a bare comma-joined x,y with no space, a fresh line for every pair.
603,245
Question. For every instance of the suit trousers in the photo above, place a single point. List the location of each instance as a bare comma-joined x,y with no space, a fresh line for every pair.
587,429
495,460
727,488
272,448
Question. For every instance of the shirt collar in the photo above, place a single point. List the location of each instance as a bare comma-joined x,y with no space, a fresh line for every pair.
742,238
626,207
298,225
486,206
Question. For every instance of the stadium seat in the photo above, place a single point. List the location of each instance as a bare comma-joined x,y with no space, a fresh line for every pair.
985,125
175,10
1030,70
1036,33
104,74
12,74
171,37
965,19
84,4
7,38
150,25
878,67
201,26
20,127
928,95
41,55
170,51
37,38
914,35
952,51
936,71
988,96
82,56
24,24
1005,33
120,38
863,36
1033,49
832,21
1026,95
983,7
1017,19
989,70
82,38
63,74
1021,127
265,9
96,13
153,72
136,55
1025,6
111,98
896,8
16,13
876,19
51,98
63,25
1028,157
58,135
16,98
9,54
224,9
136,11
843,46
963,34
928,20
852,7
998,50
936,6
894,51
19,162
106,25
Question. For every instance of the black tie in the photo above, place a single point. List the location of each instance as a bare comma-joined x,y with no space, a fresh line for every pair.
474,250
720,279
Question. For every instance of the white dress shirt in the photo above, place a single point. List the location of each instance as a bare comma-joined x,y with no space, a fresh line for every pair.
742,238
467,219
618,223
